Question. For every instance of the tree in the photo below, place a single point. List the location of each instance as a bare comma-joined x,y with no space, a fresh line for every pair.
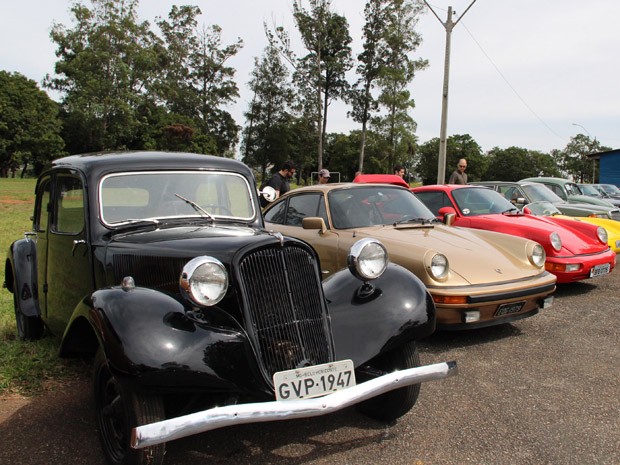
573,159
29,125
104,67
370,62
195,82
515,163
266,137
397,72
459,146
320,74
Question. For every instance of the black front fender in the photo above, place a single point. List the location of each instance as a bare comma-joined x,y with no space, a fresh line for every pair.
21,276
399,309
148,337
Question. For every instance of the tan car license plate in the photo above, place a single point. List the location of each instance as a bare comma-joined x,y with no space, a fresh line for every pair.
314,381
507,309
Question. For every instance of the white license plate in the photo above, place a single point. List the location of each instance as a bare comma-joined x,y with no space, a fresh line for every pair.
600,270
507,309
314,381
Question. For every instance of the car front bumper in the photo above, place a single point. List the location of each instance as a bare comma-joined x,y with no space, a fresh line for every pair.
219,417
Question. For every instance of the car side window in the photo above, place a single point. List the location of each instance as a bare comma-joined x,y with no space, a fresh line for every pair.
557,190
300,207
276,213
69,205
42,206
434,200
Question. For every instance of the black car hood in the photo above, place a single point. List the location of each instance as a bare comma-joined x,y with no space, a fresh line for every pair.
155,258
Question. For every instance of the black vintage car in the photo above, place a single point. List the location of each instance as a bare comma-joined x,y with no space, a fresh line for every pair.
158,266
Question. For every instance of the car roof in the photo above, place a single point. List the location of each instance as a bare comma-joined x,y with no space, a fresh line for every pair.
381,178
95,164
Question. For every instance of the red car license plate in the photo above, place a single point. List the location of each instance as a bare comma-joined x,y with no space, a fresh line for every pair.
507,309
600,270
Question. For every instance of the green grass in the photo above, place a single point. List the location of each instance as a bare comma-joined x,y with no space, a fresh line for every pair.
26,368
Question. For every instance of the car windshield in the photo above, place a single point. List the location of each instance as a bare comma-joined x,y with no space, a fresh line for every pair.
589,190
376,205
540,193
126,198
610,188
572,188
481,201
542,209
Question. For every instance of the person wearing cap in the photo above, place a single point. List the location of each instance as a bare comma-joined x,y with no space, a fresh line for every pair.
323,176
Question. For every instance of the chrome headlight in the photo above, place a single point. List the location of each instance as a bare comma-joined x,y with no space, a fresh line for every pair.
537,255
204,280
556,241
367,259
439,266
601,232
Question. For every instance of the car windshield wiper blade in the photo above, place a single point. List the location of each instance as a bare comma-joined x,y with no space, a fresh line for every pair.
414,219
134,223
196,207
510,210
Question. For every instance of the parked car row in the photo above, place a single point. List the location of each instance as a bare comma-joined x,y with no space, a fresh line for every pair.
201,311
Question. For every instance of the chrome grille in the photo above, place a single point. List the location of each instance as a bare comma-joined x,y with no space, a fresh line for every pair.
286,314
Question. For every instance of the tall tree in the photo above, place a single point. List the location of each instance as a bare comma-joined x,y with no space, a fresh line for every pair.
196,82
320,74
266,138
103,68
29,125
370,62
398,71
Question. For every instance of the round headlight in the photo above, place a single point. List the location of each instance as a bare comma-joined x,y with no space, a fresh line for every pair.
601,232
367,259
204,280
556,241
537,256
439,266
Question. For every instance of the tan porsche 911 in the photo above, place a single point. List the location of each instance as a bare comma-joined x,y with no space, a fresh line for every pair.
477,278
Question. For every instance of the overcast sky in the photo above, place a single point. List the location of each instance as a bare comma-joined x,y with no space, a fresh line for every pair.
525,73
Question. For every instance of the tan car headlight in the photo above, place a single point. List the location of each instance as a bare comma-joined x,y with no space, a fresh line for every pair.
439,266
368,259
537,255
204,280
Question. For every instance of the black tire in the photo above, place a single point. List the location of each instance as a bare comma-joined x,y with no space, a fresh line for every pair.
29,328
118,411
393,404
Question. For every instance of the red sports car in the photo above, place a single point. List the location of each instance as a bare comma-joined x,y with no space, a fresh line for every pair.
574,252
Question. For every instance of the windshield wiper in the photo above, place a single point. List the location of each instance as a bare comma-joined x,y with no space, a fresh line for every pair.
196,207
510,210
413,219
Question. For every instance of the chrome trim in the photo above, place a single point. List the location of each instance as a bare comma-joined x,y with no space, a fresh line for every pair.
219,417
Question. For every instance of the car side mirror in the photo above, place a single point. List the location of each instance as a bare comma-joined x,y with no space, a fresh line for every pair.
314,222
448,219
268,193
527,211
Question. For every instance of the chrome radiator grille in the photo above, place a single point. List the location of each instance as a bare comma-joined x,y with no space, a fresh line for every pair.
286,315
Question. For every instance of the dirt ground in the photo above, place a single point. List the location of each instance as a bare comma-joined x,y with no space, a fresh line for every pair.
544,390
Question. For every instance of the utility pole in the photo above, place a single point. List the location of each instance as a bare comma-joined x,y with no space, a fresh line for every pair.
443,138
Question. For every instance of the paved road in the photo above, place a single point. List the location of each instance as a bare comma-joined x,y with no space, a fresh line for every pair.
545,390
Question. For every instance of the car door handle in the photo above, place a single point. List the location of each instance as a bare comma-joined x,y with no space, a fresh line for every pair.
77,242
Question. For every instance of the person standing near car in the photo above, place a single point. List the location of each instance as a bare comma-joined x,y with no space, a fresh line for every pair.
323,176
281,180
459,176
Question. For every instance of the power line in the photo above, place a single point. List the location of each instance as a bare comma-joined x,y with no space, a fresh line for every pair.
510,85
